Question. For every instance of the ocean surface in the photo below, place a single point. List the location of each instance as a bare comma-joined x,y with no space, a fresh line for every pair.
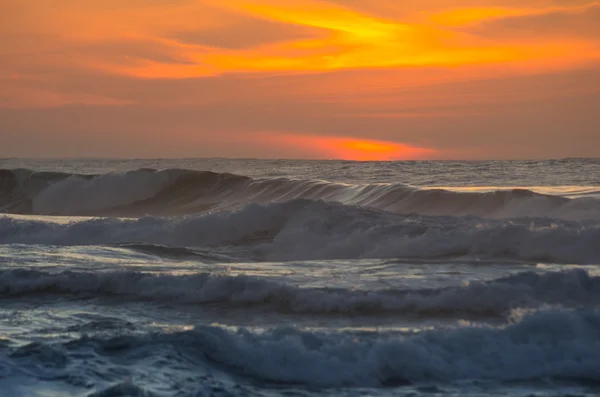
229,278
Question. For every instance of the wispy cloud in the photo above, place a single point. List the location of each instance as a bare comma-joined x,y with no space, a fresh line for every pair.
351,39
476,15
326,36
377,79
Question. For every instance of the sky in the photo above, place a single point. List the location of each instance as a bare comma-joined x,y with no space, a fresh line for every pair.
331,79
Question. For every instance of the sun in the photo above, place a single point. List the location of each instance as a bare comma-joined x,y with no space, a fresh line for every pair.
372,150
356,149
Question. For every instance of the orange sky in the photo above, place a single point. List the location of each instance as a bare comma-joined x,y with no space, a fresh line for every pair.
352,79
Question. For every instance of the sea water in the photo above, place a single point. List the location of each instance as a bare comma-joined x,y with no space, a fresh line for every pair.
299,278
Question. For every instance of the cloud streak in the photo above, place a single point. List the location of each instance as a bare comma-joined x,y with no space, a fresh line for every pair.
477,15
353,40
426,79
330,37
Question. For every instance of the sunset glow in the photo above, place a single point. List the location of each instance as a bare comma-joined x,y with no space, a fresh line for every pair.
343,38
467,16
392,74
355,149
342,148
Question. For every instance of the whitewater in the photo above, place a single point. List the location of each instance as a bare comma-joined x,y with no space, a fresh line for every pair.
241,277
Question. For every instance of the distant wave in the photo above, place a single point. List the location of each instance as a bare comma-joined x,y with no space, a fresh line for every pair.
495,298
178,192
307,230
546,346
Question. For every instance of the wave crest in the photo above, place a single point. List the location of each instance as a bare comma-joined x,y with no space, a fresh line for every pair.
540,347
177,192
553,344
494,298
313,230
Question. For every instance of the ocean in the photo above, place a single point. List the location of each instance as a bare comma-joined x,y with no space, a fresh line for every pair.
282,278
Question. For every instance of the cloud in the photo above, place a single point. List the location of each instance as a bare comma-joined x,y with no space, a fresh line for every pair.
352,39
531,117
184,39
208,77
476,15
21,91
555,25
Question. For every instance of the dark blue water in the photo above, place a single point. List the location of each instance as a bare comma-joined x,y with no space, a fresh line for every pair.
299,278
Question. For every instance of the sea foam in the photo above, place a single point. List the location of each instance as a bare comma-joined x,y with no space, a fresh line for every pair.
306,230
178,192
494,298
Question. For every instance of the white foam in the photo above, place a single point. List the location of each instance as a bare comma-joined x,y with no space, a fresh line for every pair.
538,348
77,194
544,345
495,298
306,230
184,191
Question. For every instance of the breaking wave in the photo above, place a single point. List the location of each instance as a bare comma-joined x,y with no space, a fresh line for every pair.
312,230
535,347
494,298
178,192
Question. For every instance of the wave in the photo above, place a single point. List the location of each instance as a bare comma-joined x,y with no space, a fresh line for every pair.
314,230
494,298
178,192
545,345
535,347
